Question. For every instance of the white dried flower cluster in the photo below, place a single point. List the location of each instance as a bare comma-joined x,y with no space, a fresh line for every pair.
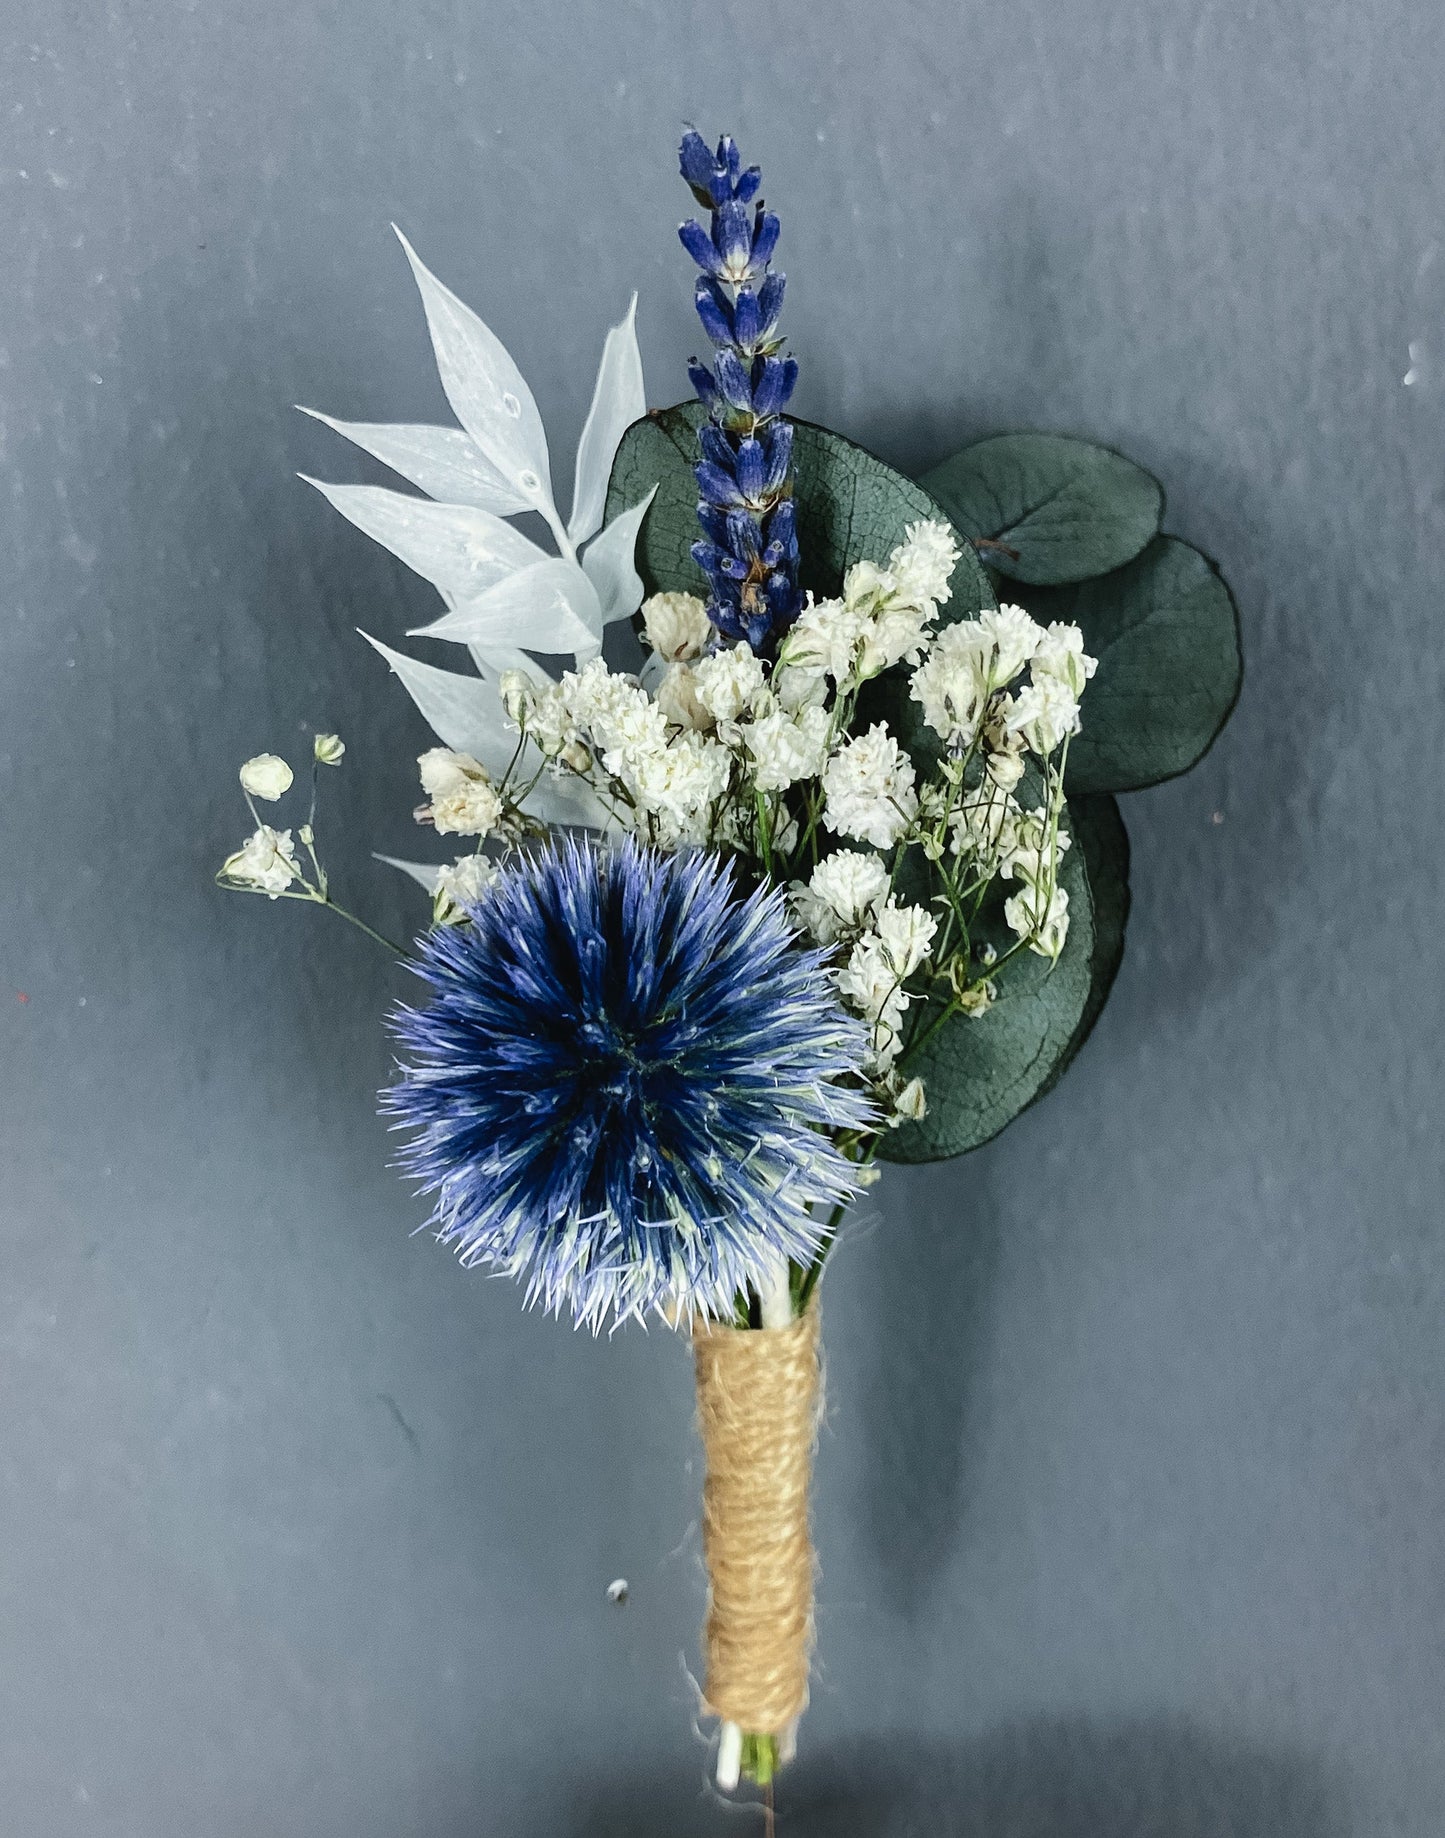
459,886
266,862
768,758
846,903
962,686
881,619
717,745
868,785
464,801
662,779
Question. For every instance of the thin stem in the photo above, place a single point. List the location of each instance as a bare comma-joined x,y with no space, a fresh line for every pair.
388,944
313,898
559,531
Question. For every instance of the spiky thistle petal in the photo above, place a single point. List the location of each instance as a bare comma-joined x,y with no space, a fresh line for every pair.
620,1089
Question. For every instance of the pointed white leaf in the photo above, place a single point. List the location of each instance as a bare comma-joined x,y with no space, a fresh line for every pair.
611,565
551,606
561,799
495,660
425,874
484,386
617,402
444,462
464,712
458,548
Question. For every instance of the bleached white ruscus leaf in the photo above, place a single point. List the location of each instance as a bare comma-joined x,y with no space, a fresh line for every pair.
425,874
459,548
495,660
445,463
488,393
551,606
617,402
464,712
611,563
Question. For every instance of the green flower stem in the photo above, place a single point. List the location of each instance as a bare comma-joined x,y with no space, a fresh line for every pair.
313,897
760,1759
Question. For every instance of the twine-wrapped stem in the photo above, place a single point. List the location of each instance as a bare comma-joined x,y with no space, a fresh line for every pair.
758,1392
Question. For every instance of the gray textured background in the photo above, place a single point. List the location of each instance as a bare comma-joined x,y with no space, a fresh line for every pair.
1130,1510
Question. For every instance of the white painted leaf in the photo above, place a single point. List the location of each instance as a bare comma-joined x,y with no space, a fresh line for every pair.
445,463
495,660
464,712
617,402
425,874
457,547
484,386
611,566
551,606
561,799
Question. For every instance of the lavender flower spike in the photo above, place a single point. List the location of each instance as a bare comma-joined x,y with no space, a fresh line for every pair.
750,551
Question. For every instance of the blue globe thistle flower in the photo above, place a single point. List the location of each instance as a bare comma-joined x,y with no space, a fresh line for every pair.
620,1088
750,548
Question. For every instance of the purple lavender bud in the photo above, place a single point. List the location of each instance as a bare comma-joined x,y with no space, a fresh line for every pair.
716,447
700,246
770,300
713,311
717,486
765,237
743,535
751,469
747,323
702,381
733,233
734,381
774,385
780,455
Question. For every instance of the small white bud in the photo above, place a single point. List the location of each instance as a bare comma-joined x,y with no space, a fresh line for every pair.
677,698
328,749
677,625
266,776
1006,769
975,999
516,689
911,1105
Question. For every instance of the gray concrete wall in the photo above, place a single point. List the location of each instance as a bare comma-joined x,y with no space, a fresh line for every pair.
1131,1499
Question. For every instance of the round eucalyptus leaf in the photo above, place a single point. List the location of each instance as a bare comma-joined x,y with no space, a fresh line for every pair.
1050,509
1098,830
1166,633
980,1071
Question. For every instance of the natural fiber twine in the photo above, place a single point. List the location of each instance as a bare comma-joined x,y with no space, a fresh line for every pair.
758,1396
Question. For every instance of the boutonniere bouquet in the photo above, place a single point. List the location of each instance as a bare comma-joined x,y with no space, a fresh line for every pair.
784,845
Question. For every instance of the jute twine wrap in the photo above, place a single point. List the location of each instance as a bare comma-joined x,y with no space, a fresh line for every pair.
758,1395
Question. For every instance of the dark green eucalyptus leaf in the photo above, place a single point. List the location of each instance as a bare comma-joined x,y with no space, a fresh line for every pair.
1066,509
1098,830
851,507
1166,634
980,1072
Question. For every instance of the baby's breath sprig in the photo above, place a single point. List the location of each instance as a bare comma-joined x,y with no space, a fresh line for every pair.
267,862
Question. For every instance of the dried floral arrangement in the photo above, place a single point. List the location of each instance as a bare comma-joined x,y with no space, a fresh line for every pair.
828,872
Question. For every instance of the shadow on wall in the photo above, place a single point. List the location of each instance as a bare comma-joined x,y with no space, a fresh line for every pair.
1040,1779
917,1405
